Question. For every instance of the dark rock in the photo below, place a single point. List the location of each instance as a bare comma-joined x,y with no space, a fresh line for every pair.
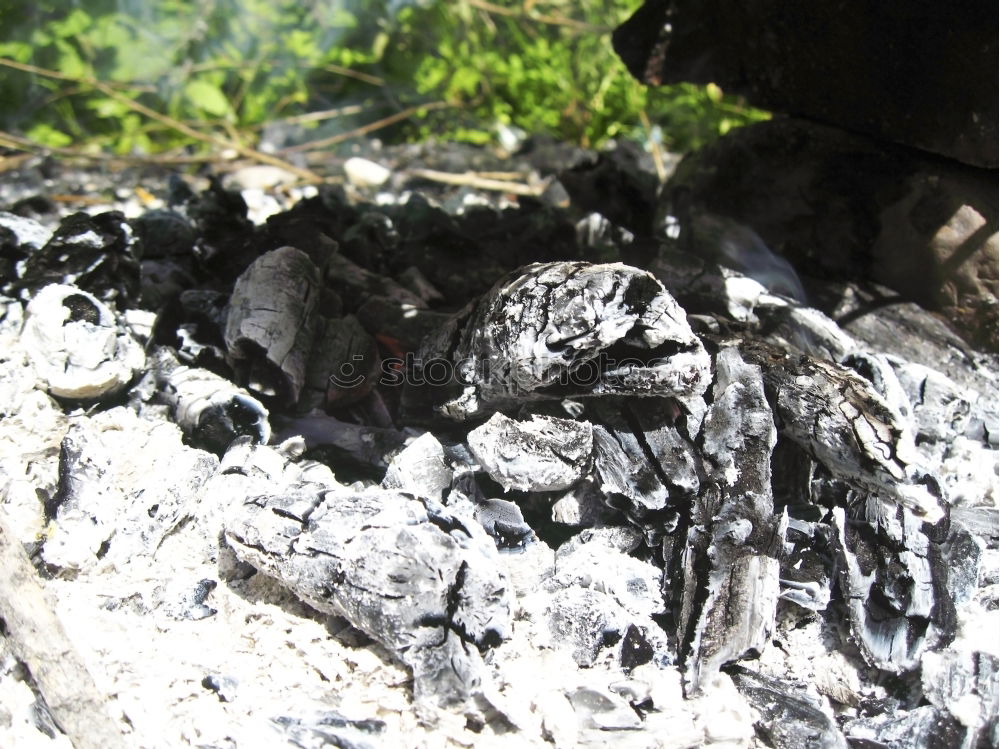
906,72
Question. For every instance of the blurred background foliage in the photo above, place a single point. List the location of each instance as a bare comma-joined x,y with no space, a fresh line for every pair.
123,75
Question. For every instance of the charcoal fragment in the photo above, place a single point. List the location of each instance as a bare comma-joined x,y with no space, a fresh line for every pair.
543,454
82,350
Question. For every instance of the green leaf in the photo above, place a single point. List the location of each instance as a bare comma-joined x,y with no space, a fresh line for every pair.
48,136
208,98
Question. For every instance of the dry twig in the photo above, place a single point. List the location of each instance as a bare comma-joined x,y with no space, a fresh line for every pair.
471,179
365,129
174,124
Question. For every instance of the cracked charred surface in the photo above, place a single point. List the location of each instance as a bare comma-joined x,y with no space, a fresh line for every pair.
730,562
552,330
270,326
422,580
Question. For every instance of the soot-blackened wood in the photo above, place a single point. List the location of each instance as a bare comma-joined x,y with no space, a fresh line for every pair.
551,330
271,323
343,366
80,348
734,539
425,582
210,409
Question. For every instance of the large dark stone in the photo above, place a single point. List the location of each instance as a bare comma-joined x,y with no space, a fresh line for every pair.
917,72
844,206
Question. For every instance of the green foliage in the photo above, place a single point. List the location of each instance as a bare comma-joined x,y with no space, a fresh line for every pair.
544,66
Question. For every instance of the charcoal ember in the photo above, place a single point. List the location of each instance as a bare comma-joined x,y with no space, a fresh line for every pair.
786,720
603,710
585,505
164,234
598,600
942,410
271,323
226,244
983,522
896,596
98,254
124,484
807,565
399,326
356,449
964,684
82,350
210,409
840,419
504,522
420,469
602,239
558,329
415,280
423,581
163,281
901,729
330,728
621,184
19,238
343,366
543,454
886,322
641,453
730,562
356,284
22,234
370,241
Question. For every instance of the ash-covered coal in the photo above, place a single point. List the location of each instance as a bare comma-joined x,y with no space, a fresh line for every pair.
444,470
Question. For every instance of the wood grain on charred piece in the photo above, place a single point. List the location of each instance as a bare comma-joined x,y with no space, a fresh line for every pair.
81,350
557,329
271,323
840,419
734,540
423,581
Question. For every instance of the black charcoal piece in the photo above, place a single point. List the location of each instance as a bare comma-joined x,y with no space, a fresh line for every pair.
892,588
224,686
80,348
730,563
330,728
210,409
98,254
636,649
603,710
420,469
504,522
271,323
840,419
356,445
543,454
786,720
343,365
424,582
559,329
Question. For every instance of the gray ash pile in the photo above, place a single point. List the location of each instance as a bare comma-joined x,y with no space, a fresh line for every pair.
414,464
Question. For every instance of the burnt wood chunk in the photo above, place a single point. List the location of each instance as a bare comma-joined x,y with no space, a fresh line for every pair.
551,330
423,581
730,565
543,454
81,349
271,323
